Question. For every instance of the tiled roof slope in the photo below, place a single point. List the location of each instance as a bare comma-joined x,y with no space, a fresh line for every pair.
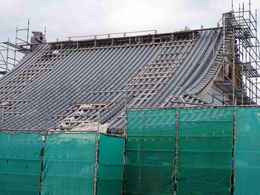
51,85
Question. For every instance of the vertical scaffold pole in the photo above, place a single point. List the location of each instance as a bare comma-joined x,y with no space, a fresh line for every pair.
126,140
97,154
175,163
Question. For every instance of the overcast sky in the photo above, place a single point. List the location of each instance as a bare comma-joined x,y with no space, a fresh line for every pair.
86,17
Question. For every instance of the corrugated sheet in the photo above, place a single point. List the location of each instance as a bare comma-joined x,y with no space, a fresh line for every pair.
148,75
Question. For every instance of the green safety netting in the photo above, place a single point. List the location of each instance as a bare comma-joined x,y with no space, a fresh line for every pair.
247,152
69,164
151,123
110,165
205,151
150,152
20,164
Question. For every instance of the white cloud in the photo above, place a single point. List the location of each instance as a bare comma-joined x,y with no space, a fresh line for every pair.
81,17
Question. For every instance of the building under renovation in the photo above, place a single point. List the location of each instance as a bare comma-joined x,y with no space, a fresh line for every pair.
90,82
134,113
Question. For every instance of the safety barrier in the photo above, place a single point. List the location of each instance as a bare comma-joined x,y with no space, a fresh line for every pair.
198,151
60,164
185,151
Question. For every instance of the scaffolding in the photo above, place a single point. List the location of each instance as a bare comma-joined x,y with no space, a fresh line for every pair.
12,53
241,56
4,65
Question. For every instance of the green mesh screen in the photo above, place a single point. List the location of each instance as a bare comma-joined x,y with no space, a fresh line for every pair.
20,164
247,152
69,164
205,151
110,166
65,163
150,152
